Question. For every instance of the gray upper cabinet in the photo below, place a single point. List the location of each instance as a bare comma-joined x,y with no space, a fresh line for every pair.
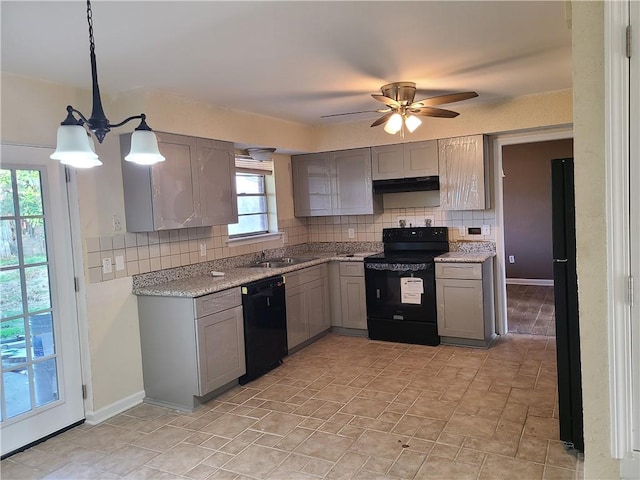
194,187
215,169
464,173
405,160
333,183
312,184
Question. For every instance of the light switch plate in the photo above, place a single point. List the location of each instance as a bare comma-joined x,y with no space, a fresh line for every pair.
486,229
351,233
119,263
203,249
462,231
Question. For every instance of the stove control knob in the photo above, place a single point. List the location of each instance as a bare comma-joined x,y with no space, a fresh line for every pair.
420,234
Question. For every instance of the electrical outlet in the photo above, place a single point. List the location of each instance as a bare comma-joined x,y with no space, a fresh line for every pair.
106,265
512,259
285,238
486,229
116,221
119,263
351,233
203,249
462,231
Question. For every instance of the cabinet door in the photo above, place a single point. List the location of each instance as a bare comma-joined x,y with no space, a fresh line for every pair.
214,174
318,305
173,197
311,184
460,308
420,159
297,321
220,340
462,173
353,192
387,162
354,310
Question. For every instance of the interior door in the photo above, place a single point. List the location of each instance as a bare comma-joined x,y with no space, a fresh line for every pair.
41,387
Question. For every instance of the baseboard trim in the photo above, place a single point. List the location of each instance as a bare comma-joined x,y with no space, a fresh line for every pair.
99,416
538,282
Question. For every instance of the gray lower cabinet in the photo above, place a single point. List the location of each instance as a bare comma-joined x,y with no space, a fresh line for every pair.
465,309
194,186
191,347
349,309
307,303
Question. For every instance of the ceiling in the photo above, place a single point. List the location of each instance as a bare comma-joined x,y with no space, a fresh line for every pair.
294,60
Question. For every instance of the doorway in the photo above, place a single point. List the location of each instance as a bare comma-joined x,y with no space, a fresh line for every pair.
535,137
41,387
526,186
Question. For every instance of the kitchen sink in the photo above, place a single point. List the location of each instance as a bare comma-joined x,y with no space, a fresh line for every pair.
281,262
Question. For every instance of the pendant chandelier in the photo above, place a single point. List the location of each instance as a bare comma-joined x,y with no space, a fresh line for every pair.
75,145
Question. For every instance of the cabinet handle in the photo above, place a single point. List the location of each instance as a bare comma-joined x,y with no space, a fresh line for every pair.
377,293
268,301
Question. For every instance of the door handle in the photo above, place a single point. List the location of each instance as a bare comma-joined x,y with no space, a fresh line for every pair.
560,260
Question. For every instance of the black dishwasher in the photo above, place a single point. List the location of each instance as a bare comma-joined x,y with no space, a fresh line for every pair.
265,326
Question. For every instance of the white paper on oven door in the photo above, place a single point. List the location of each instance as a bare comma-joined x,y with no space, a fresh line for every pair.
411,290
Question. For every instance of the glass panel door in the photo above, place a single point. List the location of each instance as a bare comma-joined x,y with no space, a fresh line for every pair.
40,389
29,371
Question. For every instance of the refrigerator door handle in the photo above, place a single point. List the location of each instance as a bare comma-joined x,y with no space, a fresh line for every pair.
560,260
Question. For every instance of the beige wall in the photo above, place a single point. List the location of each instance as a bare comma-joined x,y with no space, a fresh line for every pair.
589,153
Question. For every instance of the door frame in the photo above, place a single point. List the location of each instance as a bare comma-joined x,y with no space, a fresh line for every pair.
498,141
619,146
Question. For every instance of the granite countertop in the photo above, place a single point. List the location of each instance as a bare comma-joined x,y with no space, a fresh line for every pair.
199,285
464,257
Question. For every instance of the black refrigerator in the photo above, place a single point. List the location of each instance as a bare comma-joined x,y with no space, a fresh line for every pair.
566,303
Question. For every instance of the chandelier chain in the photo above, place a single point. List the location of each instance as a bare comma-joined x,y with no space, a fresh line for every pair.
92,46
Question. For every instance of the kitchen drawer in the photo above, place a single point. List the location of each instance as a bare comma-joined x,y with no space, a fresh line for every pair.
217,302
312,273
351,269
470,271
291,279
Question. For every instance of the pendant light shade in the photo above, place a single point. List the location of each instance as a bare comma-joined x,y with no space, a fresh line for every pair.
74,148
144,148
412,122
394,124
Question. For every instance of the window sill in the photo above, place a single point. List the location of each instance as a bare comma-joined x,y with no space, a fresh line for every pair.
265,237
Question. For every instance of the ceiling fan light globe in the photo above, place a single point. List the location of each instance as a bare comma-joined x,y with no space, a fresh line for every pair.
144,148
74,148
412,122
394,124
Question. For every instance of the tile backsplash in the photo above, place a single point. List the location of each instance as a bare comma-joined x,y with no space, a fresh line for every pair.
137,253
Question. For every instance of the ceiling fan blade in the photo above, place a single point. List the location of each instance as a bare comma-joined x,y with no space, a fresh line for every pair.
434,112
442,99
354,113
382,119
386,100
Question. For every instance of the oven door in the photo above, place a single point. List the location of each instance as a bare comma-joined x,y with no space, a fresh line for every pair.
398,291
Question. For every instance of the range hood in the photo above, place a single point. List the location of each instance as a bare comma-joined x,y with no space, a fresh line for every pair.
415,184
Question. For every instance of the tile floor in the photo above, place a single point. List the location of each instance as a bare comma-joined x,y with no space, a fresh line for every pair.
531,309
344,407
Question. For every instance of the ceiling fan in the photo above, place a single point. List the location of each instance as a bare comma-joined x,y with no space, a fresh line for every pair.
402,111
